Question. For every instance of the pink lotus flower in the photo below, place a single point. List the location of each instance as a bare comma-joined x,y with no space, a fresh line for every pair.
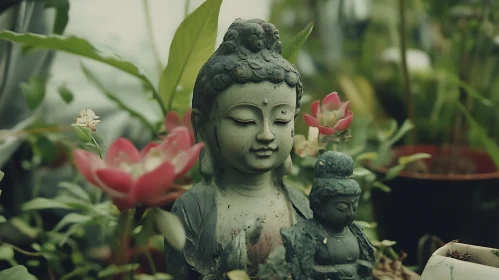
333,116
132,178
172,121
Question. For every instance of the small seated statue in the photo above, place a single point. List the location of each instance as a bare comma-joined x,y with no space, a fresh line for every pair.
245,101
331,245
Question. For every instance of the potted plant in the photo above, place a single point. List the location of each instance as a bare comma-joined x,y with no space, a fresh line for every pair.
459,261
453,192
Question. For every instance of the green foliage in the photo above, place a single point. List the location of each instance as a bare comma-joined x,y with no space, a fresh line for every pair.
65,94
157,276
83,133
170,227
122,105
15,273
61,14
43,203
81,47
489,144
114,269
34,92
291,48
193,43
238,275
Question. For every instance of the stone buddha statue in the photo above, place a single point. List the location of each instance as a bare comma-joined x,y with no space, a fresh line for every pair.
331,245
245,101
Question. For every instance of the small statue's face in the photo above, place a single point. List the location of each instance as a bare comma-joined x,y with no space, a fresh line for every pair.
255,125
339,211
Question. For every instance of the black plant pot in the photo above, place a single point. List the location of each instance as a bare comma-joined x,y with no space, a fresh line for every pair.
453,206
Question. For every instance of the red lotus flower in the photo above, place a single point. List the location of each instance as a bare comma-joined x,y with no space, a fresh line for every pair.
130,177
333,116
172,121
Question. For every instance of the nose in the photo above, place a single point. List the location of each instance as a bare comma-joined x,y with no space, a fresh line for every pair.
350,213
266,134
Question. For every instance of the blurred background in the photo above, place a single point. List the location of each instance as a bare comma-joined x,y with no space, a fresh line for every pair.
421,77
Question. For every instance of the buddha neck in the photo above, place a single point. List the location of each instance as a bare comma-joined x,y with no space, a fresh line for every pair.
247,184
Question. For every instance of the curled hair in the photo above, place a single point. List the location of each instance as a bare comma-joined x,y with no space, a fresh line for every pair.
250,53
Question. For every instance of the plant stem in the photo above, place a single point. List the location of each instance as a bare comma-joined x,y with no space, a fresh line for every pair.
97,146
32,254
405,70
186,8
151,261
151,35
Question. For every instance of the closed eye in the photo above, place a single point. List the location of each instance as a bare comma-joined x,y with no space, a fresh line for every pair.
243,122
282,122
341,209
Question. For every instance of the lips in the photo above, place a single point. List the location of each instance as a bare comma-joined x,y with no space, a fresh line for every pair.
264,152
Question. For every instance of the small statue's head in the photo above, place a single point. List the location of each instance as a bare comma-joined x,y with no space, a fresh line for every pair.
245,100
334,197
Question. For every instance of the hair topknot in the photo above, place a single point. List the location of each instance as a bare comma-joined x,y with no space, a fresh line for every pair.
250,52
333,175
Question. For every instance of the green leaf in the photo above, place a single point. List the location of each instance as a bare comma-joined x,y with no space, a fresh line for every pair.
81,47
113,269
404,160
382,186
406,127
387,132
122,105
6,252
488,143
48,149
157,276
192,45
1,177
34,91
34,263
36,247
83,133
43,203
469,89
394,172
237,275
61,14
15,273
147,230
24,228
65,94
170,227
2,219
366,156
78,271
72,218
361,172
75,190
291,49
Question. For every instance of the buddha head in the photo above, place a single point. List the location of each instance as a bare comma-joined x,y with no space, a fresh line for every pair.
245,100
334,197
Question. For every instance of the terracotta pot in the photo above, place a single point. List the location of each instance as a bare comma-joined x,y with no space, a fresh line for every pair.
463,207
483,263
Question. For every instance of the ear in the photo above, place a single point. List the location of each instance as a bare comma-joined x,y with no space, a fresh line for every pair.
206,163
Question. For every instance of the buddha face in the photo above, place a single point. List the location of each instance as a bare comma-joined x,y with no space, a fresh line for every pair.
254,126
339,211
